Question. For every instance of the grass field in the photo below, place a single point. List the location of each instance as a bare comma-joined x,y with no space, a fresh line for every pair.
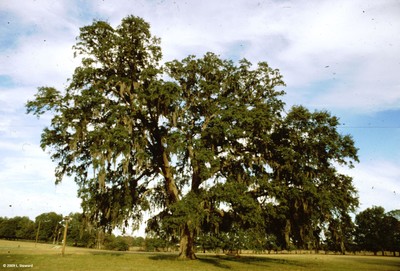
26,256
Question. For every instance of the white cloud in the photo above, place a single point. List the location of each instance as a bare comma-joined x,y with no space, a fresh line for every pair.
41,52
377,184
32,200
356,40
43,14
39,60
28,183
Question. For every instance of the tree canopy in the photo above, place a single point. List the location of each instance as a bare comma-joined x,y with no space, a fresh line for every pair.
377,230
204,143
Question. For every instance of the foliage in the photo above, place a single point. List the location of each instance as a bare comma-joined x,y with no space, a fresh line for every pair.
116,243
17,228
377,231
136,241
50,224
340,235
307,190
374,231
80,232
204,141
157,244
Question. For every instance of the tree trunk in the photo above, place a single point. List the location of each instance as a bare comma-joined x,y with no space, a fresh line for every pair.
287,234
171,189
342,247
186,248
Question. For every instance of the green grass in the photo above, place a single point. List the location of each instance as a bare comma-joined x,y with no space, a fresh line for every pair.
48,257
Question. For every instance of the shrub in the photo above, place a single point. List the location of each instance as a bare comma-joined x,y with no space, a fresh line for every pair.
116,243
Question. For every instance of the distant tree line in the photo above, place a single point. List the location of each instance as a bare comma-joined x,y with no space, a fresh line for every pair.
49,228
373,230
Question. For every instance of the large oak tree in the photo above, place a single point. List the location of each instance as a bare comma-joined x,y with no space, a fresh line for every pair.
190,140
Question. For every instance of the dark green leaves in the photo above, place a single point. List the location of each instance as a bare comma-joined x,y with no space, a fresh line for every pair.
204,140
46,99
306,151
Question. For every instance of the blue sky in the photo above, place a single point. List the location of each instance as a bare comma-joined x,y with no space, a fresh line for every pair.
340,56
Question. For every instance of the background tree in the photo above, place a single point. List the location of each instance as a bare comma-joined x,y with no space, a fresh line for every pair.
80,232
50,223
118,243
19,227
306,190
25,228
371,230
391,236
8,228
137,241
2,220
394,222
378,231
340,234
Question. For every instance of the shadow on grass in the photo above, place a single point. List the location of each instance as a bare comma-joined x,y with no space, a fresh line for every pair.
226,262
164,257
259,261
216,261
212,260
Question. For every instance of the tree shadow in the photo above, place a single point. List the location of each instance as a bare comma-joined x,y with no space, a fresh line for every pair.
212,260
265,262
226,262
216,261
164,256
